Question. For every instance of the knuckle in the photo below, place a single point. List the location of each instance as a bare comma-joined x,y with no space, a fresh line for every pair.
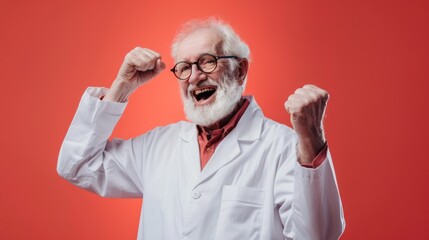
153,58
312,100
129,55
306,102
298,109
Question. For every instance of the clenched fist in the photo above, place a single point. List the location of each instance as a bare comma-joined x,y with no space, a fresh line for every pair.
307,109
139,66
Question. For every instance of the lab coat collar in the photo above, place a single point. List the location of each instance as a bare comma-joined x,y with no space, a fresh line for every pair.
249,127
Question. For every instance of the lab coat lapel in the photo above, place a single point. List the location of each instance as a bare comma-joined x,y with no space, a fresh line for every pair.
225,152
190,154
248,129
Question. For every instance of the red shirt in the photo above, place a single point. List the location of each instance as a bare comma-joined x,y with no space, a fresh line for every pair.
208,140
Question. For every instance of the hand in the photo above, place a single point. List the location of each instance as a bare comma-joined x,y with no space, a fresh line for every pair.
139,66
307,109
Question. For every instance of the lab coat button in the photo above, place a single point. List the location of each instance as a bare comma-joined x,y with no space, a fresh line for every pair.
196,195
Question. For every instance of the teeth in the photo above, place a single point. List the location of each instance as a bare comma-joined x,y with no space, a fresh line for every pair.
202,90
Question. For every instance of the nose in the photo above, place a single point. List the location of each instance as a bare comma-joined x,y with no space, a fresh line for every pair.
196,75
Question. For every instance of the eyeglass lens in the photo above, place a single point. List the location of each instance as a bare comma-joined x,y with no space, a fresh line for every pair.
206,63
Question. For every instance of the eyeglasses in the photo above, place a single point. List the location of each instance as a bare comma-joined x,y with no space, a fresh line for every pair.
206,63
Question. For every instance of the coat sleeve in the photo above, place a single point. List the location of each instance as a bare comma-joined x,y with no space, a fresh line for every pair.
313,210
89,160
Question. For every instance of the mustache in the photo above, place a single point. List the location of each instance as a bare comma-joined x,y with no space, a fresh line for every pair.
221,83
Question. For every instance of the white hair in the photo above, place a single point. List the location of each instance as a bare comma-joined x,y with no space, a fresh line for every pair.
231,44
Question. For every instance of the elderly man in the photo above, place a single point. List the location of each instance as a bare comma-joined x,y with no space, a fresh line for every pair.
228,172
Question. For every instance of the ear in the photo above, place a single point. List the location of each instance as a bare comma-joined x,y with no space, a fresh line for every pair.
242,69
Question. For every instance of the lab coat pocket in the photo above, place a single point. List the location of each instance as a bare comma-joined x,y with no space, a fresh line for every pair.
240,215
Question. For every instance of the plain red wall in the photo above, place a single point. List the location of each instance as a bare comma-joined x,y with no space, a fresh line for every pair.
372,56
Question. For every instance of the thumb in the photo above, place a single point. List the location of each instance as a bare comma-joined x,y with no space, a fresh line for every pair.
159,66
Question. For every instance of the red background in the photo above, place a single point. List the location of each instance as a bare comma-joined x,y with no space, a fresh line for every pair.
370,55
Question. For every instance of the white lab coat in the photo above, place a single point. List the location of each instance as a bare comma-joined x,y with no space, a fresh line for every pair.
252,187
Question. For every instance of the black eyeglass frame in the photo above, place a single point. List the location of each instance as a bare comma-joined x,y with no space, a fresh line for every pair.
173,70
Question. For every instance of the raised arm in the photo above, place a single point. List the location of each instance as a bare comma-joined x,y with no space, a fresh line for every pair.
87,158
317,209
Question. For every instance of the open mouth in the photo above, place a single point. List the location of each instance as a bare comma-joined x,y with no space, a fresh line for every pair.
203,93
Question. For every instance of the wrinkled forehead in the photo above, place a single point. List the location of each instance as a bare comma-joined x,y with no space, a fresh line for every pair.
197,43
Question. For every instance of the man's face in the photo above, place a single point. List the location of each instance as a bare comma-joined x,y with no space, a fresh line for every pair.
190,49
209,97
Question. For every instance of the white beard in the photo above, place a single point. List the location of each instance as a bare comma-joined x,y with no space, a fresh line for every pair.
228,94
